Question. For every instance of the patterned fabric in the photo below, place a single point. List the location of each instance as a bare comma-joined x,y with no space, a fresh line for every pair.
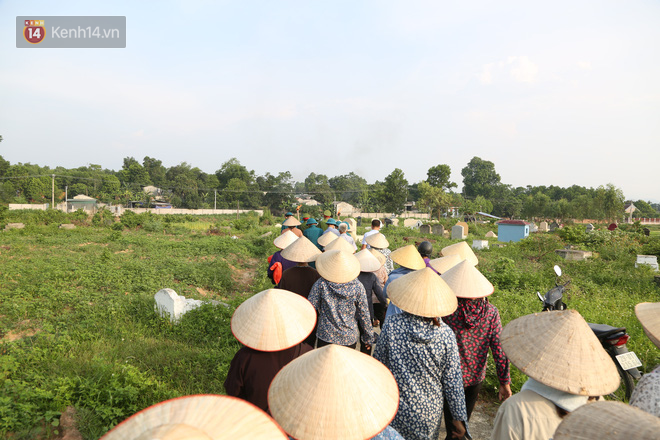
477,327
397,273
646,395
341,308
388,433
389,264
425,362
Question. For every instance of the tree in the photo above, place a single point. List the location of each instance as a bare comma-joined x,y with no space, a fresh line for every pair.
277,191
319,186
395,191
157,172
232,169
480,178
350,188
433,198
611,201
438,176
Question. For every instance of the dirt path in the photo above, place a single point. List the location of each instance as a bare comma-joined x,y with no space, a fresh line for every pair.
481,422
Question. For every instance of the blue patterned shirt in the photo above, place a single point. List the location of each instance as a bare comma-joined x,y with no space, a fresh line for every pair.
425,362
341,307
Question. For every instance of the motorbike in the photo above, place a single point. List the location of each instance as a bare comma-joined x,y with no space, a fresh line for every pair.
613,340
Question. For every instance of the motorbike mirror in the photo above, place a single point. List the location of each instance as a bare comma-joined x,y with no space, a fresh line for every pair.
558,270
540,296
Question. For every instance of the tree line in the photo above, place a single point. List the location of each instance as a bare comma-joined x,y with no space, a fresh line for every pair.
234,185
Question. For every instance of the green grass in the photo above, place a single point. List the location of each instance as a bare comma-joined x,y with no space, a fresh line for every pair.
78,325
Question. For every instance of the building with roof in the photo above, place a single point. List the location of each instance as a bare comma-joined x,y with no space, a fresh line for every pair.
83,202
512,230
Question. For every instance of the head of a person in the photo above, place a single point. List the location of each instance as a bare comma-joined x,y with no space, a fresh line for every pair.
425,249
343,227
311,222
375,224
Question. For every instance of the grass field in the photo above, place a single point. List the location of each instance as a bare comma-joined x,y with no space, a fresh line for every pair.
78,326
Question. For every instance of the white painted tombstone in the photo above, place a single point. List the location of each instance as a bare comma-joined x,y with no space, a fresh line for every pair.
175,306
266,234
425,229
457,233
14,226
543,227
533,228
491,234
438,230
395,222
590,227
650,260
353,224
67,226
479,244
412,223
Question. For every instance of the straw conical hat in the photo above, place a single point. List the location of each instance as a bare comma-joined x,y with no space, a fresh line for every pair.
291,221
285,239
333,392
338,266
608,421
327,238
408,256
649,315
368,263
198,417
467,282
381,258
377,240
559,350
423,293
301,251
463,250
273,320
339,245
443,264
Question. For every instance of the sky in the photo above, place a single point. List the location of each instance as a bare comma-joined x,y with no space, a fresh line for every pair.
553,93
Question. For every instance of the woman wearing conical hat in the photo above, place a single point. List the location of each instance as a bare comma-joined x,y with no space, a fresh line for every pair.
421,352
409,260
277,264
272,326
340,301
646,394
565,363
477,326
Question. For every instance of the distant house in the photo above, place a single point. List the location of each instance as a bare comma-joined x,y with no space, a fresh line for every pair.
346,209
512,230
153,191
83,202
306,200
629,208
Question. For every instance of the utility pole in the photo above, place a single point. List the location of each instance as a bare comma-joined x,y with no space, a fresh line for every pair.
52,198
215,199
66,198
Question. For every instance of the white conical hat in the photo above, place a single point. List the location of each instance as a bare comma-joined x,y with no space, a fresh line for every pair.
423,293
649,315
409,257
327,238
368,263
463,250
339,245
273,320
199,417
283,240
606,420
559,350
467,282
377,240
301,251
443,264
291,221
338,266
379,255
333,392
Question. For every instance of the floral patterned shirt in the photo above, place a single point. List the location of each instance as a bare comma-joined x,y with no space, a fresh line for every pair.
477,327
425,362
341,307
646,394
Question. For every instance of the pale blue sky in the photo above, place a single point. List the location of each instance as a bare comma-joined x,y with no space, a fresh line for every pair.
553,93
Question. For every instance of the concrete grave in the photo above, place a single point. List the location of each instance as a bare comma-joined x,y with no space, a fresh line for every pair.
266,234
67,226
543,227
425,229
650,260
479,244
573,255
14,226
466,227
412,223
533,228
170,304
554,225
491,234
438,230
590,227
458,233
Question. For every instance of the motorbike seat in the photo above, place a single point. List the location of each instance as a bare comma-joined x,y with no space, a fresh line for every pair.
604,331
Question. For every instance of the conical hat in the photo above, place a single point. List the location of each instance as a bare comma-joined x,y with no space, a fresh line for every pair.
199,417
559,350
443,264
338,266
649,315
327,238
291,221
608,421
408,256
339,245
467,282
301,251
463,250
285,239
381,258
423,293
273,320
333,392
377,240
368,263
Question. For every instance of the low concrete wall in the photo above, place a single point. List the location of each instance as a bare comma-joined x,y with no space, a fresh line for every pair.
118,210
17,206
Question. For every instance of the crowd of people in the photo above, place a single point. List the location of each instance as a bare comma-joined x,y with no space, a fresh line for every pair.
424,331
